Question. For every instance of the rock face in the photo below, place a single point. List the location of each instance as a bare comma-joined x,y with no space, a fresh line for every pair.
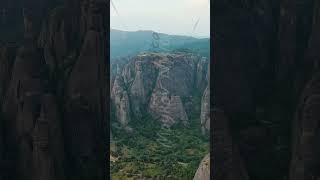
11,21
267,86
121,101
6,62
203,172
205,112
229,162
48,149
53,94
205,107
305,155
158,83
305,147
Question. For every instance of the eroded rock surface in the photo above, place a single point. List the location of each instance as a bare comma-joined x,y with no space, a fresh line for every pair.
205,107
203,172
267,86
205,112
160,84
305,154
227,159
53,94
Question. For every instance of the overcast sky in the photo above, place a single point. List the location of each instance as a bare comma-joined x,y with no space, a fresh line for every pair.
166,16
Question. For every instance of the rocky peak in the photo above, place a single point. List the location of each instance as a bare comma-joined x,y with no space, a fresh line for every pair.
159,83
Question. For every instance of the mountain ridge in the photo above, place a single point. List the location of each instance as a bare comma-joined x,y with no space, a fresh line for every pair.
131,43
146,30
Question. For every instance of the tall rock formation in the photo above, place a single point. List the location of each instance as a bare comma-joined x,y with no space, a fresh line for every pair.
121,102
205,112
205,107
162,84
227,161
203,172
53,90
267,87
305,148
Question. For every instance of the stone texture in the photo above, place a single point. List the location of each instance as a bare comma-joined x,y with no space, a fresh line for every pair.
205,112
203,172
6,62
267,87
226,159
202,74
85,109
162,84
121,102
53,91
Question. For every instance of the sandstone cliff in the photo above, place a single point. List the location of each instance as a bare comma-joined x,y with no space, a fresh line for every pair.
159,84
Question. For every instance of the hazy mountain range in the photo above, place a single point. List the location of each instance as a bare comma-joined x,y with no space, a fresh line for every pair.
125,43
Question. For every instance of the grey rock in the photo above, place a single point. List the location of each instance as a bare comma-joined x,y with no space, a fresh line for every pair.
203,172
121,102
160,84
205,112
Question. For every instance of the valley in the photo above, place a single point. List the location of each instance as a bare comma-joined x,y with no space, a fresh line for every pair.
155,151
159,106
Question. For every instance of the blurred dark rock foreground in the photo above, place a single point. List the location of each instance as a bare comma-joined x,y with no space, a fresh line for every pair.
53,89
266,84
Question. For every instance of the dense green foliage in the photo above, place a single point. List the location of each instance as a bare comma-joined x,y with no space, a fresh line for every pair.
155,151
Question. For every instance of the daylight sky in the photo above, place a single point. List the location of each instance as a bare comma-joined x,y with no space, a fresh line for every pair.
176,17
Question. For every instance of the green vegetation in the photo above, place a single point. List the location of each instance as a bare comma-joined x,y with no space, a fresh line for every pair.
155,151
124,43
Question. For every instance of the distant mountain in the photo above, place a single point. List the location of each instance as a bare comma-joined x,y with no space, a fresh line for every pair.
125,43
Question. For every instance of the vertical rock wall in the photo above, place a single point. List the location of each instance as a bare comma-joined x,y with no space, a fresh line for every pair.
268,87
53,92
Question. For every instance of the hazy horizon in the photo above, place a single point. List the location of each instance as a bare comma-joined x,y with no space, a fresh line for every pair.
194,36
179,17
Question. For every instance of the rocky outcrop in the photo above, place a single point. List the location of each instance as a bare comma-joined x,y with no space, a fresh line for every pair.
203,172
205,107
121,102
202,74
259,85
11,21
21,102
227,161
205,112
53,94
159,83
6,62
305,148
305,155
48,146
142,78
169,110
